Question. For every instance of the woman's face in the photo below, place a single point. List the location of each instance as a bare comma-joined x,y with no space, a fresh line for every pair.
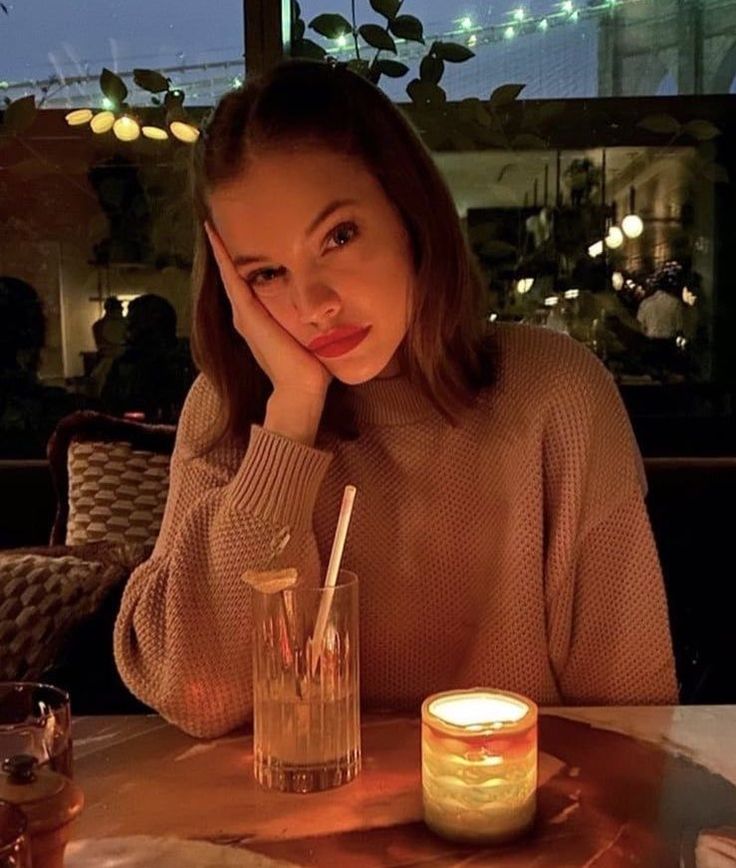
316,239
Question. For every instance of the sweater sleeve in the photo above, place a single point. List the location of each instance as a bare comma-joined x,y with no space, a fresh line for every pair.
182,636
607,620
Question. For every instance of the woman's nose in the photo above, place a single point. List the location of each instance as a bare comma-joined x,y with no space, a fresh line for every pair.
315,302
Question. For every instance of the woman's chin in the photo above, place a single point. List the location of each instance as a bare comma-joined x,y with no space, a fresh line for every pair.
355,374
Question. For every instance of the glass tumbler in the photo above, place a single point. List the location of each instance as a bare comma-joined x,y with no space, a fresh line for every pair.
306,700
36,719
15,849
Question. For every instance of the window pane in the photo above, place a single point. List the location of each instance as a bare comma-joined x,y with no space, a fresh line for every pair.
570,49
65,46
88,219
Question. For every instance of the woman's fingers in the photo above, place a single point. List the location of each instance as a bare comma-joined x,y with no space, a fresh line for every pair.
230,277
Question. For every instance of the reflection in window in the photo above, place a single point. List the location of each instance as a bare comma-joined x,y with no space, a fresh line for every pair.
567,48
57,50
611,246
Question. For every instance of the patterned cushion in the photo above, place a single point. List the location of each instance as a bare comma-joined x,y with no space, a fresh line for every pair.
43,596
116,493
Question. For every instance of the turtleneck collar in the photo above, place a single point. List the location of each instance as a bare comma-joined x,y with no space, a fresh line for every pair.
387,401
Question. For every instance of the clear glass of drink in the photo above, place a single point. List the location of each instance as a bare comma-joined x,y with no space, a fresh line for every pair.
306,701
36,719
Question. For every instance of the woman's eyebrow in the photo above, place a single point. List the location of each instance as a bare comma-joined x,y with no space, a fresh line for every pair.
327,211
243,259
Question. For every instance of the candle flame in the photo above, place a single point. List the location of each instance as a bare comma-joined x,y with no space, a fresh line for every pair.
478,709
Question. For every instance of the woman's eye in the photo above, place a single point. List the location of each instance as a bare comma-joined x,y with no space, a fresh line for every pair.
342,235
263,278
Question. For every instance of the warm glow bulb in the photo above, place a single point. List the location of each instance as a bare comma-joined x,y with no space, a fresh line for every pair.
78,117
184,132
595,249
617,281
102,122
615,238
155,133
632,225
524,284
126,129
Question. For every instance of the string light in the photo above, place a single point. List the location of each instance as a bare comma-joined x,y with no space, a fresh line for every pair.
544,24
519,15
102,122
509,32
155,133
466,23
78,117
126,129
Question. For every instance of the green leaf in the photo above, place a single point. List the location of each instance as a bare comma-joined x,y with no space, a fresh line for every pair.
377,37
387,8
297,28
391,68
307,48
505,95
112,86
452,52
362,67
151,80
431,69
19,115
663,124
424,93
703,131
407,27
296,10
331,25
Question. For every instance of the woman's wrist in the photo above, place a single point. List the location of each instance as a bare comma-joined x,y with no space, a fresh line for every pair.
296,416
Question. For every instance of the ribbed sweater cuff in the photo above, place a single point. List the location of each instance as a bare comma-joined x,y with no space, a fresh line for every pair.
279,478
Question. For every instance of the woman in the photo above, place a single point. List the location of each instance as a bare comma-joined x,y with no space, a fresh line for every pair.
499,531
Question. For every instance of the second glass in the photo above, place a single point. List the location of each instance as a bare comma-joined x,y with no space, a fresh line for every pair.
306,704
36,719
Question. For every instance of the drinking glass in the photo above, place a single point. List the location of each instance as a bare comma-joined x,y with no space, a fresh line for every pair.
306,701
15,849
36,719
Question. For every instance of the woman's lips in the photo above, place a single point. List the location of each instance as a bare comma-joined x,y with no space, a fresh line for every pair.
338,342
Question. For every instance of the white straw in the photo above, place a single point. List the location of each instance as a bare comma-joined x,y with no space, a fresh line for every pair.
333,568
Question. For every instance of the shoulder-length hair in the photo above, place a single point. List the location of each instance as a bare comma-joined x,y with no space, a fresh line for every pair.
312,104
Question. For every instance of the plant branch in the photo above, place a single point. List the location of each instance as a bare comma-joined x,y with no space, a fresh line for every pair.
355,29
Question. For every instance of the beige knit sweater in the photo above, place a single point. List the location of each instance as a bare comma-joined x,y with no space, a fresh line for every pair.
512,551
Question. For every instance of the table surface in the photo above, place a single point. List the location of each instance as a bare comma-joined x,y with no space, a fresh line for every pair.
644,786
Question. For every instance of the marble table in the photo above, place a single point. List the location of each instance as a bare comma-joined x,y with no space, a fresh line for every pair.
619,786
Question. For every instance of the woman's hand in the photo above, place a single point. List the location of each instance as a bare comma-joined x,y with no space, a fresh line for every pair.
298,378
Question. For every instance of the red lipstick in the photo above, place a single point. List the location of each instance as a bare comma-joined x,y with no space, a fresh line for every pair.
338,341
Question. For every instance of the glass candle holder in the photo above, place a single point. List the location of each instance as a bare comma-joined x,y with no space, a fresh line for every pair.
479,764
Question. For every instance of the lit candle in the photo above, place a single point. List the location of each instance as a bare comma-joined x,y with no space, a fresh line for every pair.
479,764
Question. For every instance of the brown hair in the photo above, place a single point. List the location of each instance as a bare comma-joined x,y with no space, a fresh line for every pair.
318,104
